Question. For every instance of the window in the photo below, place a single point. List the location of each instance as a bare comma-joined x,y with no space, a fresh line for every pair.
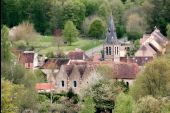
106,50
62,83
117,50
75,84
110,50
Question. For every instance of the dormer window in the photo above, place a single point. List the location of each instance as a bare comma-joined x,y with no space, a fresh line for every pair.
107,51
75,83
62,83
110,50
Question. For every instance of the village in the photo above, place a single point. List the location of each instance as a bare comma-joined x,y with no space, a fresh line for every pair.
63,74
85,56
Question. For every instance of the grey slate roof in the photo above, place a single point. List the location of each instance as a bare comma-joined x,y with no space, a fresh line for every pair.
111,37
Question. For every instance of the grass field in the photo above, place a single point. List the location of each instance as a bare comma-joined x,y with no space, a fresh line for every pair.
45,44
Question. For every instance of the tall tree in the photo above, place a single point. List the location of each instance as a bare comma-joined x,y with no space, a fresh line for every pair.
70,32
124,104
154,79
5,45
135,26
149,104
88,105
74,11
8,97
97,29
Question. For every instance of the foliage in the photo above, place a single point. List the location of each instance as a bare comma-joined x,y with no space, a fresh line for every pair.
134,49
106,71
5,45
88,106
135,32
91,6
168,31
50,54
24,31
124,104
8,97
103,93
117,8
74,11
70,32
148,104
154,79
97,29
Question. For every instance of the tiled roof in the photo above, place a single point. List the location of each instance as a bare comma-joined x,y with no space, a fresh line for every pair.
76,55
122,70
126,70
44,86
55,62
139,60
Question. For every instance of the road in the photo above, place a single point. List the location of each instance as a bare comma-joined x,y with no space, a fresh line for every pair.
90,52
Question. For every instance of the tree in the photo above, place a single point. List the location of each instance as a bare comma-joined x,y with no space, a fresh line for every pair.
133,50
74,11
154,79
91,6
124,104
149,104
8,97
70,32
88,106
168,31
106,71
24,31
103,92
5,45
97,29
135,32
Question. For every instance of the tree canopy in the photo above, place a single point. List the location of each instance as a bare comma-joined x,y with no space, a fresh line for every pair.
70,32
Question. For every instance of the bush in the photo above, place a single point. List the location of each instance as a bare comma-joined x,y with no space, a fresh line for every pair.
97,29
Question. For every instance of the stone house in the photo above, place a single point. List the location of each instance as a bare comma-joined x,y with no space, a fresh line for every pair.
152,45
29,59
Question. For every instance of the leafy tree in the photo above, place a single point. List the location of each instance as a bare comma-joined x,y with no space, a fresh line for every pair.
8,97
70,32
124,104
118,9
106,71
74,11
154,79
103,11
135,32
133,50
168,31
148,104
161,12
88,105
50,54
5,45
91,6
103,93
24,31
97,29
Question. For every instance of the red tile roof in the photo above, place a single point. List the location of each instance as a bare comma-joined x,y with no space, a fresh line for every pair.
76,55
54,62
44,86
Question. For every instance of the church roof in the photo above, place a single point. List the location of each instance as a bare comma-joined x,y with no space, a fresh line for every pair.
111,37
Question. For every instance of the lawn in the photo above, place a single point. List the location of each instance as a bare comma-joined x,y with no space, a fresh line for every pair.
45,44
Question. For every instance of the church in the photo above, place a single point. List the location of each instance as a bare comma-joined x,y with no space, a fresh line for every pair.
113,48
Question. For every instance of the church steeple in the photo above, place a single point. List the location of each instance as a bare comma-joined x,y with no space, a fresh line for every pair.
111,37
